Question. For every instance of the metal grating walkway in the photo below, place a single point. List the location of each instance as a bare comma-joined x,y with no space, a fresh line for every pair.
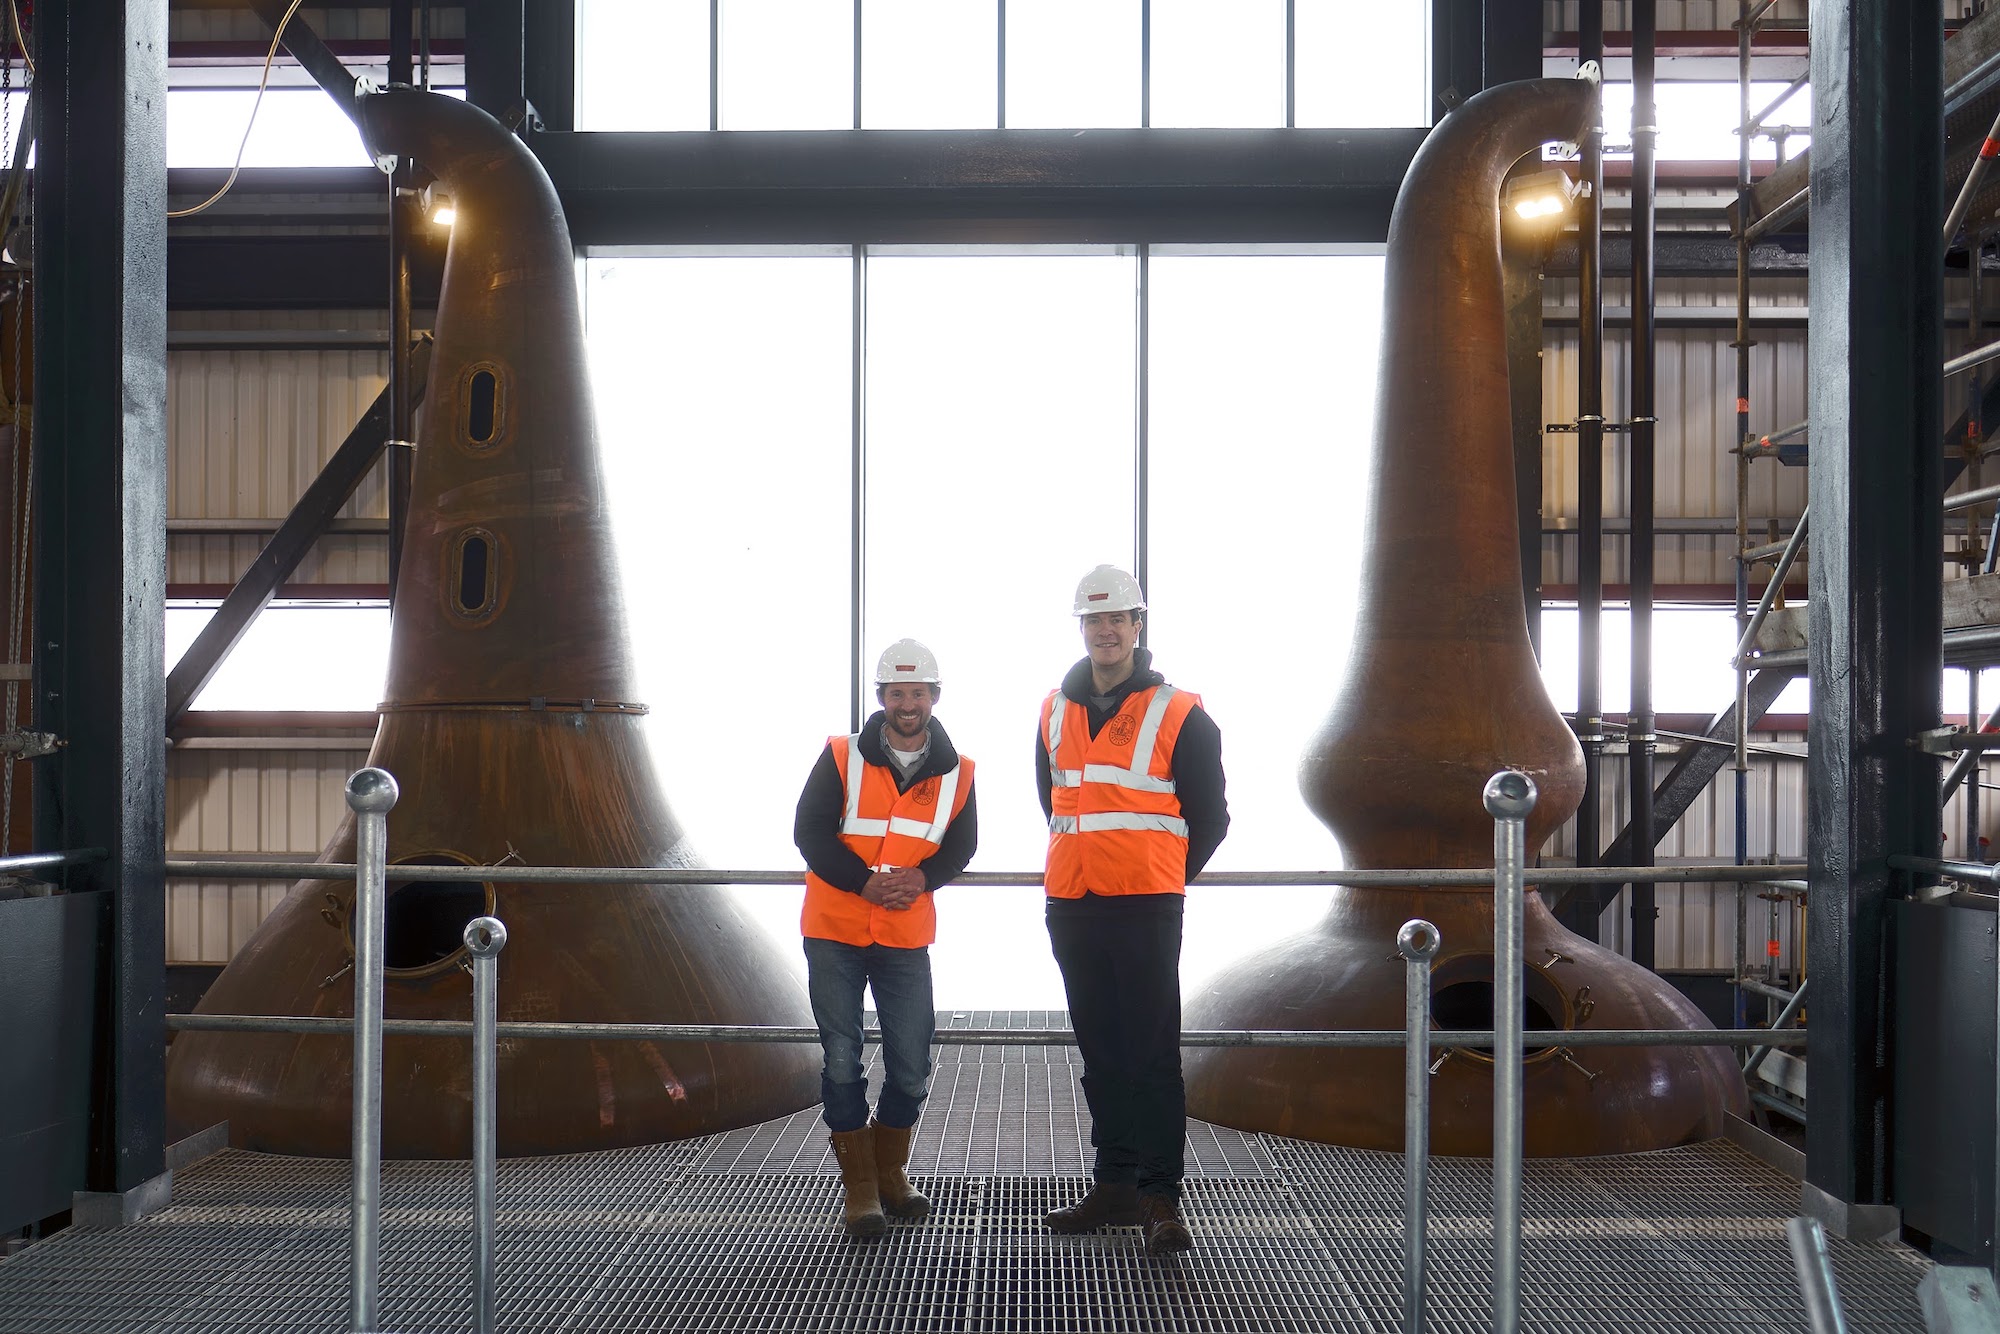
739,1232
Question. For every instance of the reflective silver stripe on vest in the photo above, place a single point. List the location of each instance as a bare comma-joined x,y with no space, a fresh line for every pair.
1062,824
1149,730
1122,777
932,832
852,823
1059,777
1066,777
1103,820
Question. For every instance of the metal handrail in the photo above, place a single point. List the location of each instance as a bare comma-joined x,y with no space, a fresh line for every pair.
1440,878
50,861
1510,799
984,1037
1418,942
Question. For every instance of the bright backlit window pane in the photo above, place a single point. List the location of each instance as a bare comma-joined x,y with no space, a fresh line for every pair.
786,65
303,657
1072,63
1698,121
1362,64
1263,395
1000,457
1691,651
1218,65
644,65
296,127
929,64
723,399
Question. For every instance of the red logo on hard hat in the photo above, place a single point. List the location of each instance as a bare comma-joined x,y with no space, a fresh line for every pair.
1122,728
905,667
1095,597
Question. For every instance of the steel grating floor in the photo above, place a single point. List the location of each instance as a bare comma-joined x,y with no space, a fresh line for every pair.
740,1232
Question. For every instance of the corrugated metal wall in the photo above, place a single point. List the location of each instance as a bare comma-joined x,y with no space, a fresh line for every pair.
247,431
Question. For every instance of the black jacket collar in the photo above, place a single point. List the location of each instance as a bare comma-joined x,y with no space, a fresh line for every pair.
943,755
1078,687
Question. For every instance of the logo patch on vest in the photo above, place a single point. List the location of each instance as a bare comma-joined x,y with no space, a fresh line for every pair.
1122,728
926,793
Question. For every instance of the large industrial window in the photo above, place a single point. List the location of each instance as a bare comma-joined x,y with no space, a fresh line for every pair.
941,64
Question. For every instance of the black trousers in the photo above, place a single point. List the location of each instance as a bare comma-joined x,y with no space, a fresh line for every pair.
1122,972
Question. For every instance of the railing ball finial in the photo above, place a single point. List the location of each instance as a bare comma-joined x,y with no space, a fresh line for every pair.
1418,941
1510,795
485,936
371,791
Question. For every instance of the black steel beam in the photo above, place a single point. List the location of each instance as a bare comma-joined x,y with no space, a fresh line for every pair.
304,46
1691,255
496,55
549,64
309,519
100,410
294,272
1458,49
887,186
1873,394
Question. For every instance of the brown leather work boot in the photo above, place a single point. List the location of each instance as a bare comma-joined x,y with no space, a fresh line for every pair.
1109,1203
892,1155
861,1212
1160,1215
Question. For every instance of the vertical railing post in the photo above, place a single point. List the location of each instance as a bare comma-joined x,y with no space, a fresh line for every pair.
1418,943
1815,1269
370,795
485,937
1509,795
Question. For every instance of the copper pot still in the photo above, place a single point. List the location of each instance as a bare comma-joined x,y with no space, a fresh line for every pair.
512,726
1441,692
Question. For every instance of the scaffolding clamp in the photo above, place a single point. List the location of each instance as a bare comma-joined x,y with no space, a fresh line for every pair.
1953,740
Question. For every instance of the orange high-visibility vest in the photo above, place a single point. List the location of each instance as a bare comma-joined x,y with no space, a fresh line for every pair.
1115,826
885,828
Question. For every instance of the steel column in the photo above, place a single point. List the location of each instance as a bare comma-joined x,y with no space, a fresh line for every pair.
1873,387
100,556
1590,485
1639,737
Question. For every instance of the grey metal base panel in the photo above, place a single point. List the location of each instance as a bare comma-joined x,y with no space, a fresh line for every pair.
740,1231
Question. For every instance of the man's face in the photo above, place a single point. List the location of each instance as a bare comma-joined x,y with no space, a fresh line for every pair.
1109,637
908,706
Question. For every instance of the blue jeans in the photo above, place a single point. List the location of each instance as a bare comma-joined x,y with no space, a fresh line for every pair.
836,973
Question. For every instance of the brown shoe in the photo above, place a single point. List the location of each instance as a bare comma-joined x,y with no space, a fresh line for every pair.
1109,1204
892,1155
861,1212
1160,1215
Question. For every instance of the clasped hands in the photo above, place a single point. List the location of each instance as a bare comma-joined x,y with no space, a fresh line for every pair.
894,889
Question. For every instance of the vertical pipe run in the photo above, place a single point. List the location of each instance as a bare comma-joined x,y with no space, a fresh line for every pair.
1418,943
1745,27
485,937
1640,737
1815,1270
856,508
1590,482
1142,443
402,394
1510,797
371,793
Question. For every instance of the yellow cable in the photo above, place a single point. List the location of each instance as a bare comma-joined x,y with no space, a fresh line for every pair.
14,12
262,80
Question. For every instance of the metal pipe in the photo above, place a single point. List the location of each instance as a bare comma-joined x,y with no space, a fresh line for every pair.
1418,943
1946,868
1590,480
1965,500
1436,877
485,937
1977,640
370,795
1770,596
1796,428
1367,1038
1967,759
1510,796
1974,175
1640,740
1785,1016
1978,356
49,861
1815,1270
1744,28
1756,122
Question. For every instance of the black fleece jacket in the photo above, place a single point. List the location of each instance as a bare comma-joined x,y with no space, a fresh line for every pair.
816,827
1196,766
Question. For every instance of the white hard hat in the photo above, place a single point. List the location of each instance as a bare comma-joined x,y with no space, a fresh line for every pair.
906,660
1108,588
